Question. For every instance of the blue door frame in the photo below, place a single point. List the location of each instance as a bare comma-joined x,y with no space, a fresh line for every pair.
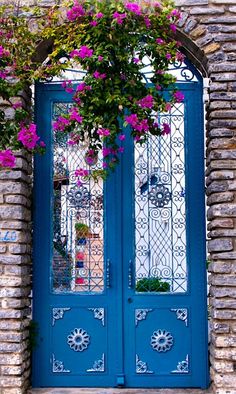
119,322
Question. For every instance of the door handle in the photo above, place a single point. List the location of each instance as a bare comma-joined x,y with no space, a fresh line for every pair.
108,282
130,275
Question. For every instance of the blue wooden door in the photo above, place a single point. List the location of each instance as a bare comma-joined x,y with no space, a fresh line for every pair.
122,302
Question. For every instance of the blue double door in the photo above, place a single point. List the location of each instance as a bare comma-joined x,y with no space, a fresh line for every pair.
119,266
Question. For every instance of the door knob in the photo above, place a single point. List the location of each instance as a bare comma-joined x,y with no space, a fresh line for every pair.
130,300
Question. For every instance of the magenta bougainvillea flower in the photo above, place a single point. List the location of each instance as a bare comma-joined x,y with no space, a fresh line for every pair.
7,159
28,136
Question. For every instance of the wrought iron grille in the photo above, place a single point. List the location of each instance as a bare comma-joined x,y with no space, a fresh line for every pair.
160,226
78,262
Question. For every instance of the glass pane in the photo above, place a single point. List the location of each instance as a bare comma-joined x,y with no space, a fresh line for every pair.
78,246
160,226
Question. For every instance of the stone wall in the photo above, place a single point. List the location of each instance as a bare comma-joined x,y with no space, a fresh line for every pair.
208,31
15,276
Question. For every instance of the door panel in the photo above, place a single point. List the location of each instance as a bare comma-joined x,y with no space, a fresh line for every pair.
99,324
164,201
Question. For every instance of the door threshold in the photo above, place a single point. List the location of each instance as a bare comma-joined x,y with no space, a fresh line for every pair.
84,390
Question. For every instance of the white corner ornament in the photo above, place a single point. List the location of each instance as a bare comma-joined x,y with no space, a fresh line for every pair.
162,341
78,340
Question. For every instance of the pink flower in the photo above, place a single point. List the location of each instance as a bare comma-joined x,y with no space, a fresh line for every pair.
60,124
98,75
147,22
122,137
119,17
167,107
67,85
121,149
100,58
180,56
178,96
93,23
103,132
168,56
75,12
4,52
82,86
106,151
136,124
28,136
7,159
81,172
146,102
158,87
133,7
132,120
159,41
173,27
74,115
104,164
42,144
3,74
83,52
136,60
16,105
176,14
165,129
99,15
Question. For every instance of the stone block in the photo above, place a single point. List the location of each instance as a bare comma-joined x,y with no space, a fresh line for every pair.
198,32
11,381
14,259
220,328
219,104
221,223
222,210
222,233
224,314
223,280
220,175
206,10
223,267
225,380
17,199
220,197
216,87
222,366
14,212
14,188
14,292
224,255
220,132
223,159
222,244
11,336
217,187
223,304
11,359
14,175
217,291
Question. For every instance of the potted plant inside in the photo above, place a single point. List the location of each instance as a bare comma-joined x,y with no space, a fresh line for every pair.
152,285
82,232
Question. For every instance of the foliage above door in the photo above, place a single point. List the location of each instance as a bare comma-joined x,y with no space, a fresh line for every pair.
113,42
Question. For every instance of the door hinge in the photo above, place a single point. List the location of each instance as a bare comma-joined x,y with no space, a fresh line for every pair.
120,380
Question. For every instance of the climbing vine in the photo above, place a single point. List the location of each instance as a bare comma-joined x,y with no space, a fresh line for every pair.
112,41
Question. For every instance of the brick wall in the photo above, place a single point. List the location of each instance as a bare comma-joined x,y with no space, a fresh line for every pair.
15,279
208,31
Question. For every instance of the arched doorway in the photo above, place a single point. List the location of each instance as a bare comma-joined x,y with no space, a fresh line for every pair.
119,271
